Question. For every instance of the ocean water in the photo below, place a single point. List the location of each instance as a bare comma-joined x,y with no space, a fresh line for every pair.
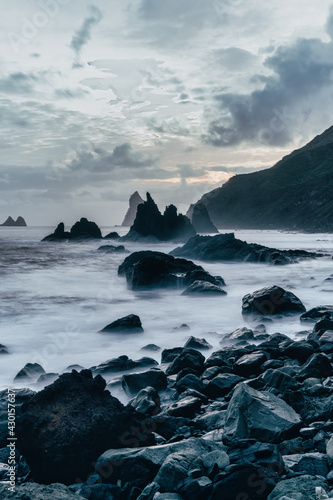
55,297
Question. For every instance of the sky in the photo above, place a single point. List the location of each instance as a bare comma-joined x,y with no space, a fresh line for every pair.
100,99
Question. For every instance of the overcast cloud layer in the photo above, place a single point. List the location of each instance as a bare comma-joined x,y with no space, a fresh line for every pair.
99,99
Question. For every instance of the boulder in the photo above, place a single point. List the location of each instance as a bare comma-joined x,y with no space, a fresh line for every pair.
300,350
31,371
190,381
65,427
168,355
82,230
147,401
134,201
225,247
188,358
250,364
203,288
186,407
150,223
140,466
132,383
112,236
150,347
222,384
277,419
127,324
316,313
265,455
121,364
147,269
317,366
112,249
237,335
195,343
297,488
34,491
246,482
175,469
271,300
3,349
201,220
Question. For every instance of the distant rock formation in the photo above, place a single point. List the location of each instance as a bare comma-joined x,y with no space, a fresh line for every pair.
134,201
201,221
82,230
150,223
10,222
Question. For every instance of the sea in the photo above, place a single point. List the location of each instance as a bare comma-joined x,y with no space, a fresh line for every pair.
56,297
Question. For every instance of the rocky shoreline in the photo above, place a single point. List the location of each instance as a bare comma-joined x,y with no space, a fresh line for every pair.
252,420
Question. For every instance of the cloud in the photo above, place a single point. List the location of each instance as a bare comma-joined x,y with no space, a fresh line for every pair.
83,34
298,72
234,58
18,83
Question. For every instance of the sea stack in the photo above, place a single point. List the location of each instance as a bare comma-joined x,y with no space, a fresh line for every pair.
134,201
150,223
10,222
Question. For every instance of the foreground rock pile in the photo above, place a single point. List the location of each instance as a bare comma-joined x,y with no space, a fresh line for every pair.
253,420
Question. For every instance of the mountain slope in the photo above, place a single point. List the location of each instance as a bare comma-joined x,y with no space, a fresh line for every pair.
295,194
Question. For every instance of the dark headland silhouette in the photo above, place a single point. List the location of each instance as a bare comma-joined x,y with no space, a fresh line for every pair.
295,194
10,222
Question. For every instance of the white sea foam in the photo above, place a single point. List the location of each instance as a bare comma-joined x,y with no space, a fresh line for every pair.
55,297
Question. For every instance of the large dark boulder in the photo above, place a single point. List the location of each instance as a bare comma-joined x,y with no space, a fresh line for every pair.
134,201
147,269
82,230
127,324
201,221
225,247
271,300
317,366
65,427
150,223
302,487
259,415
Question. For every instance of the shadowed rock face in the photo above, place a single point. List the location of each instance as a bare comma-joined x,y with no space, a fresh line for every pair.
134,201
295,194
82,230
201,220
10,222
65,427
147,269
150,223
225,247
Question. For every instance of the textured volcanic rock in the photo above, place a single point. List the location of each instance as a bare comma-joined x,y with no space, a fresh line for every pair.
65,427
225,247
271,300
277,418
150,223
